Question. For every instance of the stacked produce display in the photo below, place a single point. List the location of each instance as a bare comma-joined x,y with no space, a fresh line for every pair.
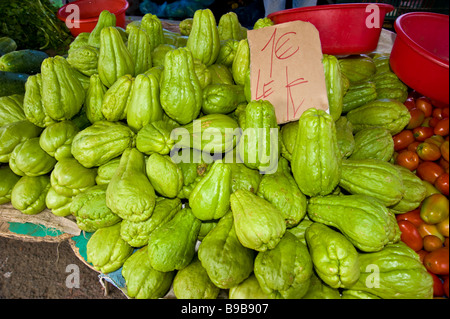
115,135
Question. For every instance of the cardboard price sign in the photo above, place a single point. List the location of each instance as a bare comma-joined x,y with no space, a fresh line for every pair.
286,68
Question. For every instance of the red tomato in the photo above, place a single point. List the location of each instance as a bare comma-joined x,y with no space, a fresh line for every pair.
412,216
410,103
437,261
437,113
424,104
403,139
441,127
445,112
421,133
416,119
429,171
428,151
438,285
441,184
413,146
422,253
432,122
410,235
408,159
444,150
446,286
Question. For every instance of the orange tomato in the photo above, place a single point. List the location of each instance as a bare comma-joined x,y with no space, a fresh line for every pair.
421,133
410,235
428,151
403,139
429,171
437,261
443,227
442,127
408,159
428,229
444,149
435,139
416,118
431,243
412,216
441,184
413,146
422,253
424,104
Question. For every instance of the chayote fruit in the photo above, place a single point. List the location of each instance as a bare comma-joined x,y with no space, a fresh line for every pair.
32,102
106,171
210,198
106,250
137,233
172,246
138,45
129,183
205,228
90,210
243,177
319,290
229,26
414,193
11,109
115,100
159,54
288,137
28,194
56,139
299,230
101,142
84,59
220,74
281,190
143,281
70,178
334,257
94,99
357,294
203,74
164,175
155,137
225,259
345,137
193,167
241,62
58,204
28,158
192,282
394,272
13,134
285,271
105,19
248,289
152,25
259,224
7,181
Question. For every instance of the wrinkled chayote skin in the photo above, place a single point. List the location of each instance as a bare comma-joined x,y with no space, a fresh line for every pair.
281,190
28,158
115,99
284,272
28,194
58,204
106,250
70,178
414,192
172,246
194,168
380,273
143,281
130,193
7,181
94,99
90,210
344,136
319,290
106,171
248,289
154,137
138,233
32,102
13,134
300,229
11,109
225,259
165,176
288,137
259,225
357,294
192,282
243,177
56,139
334,257
210,198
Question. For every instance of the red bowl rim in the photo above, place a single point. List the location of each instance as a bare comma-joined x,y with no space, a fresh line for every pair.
62,13
406,38
387,7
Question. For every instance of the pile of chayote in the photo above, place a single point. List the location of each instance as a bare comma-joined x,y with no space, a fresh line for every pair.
92,137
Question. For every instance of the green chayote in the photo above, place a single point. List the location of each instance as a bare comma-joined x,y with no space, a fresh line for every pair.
13,134
248,289
56,139
28,158
319,290
106,171
164,175
7,181
70,178
58,204
11,109
28,194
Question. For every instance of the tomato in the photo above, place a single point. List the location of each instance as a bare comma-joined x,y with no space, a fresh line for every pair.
424,104
442,227
438,285
446,286
446,242
408,159
427,229
441,127
421,133
433,121
444,164
422,253
410,103
437,113
412,216
413,146
431,243
429,171
444,150
435,139
437,261
410,235
434,209
441,184
428,151
445,112
416,119
403,139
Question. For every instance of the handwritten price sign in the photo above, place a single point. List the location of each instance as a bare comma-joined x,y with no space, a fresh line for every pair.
286,68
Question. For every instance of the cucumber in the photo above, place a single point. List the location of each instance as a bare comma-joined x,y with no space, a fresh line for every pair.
23,61
7,45
12,83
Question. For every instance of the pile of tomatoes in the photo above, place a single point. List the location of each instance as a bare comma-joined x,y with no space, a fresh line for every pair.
423,148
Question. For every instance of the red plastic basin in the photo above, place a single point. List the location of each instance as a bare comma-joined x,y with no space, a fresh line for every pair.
343,28
89,11
419,56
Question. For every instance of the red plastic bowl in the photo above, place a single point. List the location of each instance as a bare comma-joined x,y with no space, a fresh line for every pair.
342,27
419,56
89,12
